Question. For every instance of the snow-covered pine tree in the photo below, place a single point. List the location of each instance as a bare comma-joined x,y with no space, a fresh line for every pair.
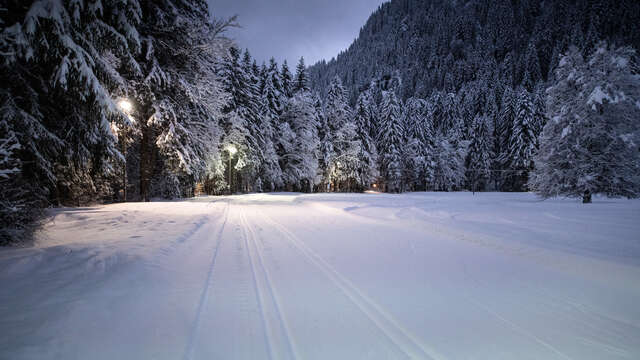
270,173
240,121
342,134
270,87
523,143
479,156
301,81
59,66
176,93
532,73
418,146
286,80
503,132
390,142
367,170
300,160
590,143
326,146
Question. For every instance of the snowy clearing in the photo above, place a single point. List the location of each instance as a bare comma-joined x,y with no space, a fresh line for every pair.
329,276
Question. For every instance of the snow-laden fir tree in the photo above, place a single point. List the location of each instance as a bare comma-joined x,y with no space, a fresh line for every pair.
367,171
59,64
479,156
270,88
418,144
300,160
240,121
523,142
286,80
176,93
301,81
390,142
341,132
590,144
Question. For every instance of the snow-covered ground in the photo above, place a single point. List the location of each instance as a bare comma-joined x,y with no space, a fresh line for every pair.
329,276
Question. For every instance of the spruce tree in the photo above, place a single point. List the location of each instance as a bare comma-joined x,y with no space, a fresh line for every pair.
523,142
590,143
301,82
391,142
367,170
286,80
479,157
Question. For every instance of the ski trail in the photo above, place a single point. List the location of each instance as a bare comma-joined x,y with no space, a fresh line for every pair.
517,328
399,336
188,354
279,340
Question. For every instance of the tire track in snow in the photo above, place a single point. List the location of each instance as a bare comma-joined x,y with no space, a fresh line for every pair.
404,340
278,335
193,335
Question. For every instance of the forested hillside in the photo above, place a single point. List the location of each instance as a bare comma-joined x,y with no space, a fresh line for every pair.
471,80
451,46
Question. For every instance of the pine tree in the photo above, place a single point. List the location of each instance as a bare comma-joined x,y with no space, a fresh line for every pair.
532,72
286,80
523,142
56,104
505,121
479,157
590,143
341,131
240,121
391,142
271,94
300,160
301,82
367,170
418,140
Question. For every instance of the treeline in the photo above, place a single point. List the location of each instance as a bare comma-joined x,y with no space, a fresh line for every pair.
89,87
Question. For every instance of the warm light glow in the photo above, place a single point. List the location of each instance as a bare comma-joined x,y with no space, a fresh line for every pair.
232,149
375,185
125,106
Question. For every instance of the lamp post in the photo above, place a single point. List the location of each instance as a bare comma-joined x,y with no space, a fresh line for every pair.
126,108
232,151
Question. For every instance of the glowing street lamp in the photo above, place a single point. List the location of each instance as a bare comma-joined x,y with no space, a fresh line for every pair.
126,107
232,151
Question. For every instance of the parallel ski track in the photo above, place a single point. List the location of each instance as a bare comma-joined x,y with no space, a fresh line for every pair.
278,335
389,326
204,297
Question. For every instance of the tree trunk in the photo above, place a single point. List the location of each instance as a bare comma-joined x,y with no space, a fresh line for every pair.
586,197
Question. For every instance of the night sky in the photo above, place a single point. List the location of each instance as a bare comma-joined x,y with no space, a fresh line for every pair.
288,29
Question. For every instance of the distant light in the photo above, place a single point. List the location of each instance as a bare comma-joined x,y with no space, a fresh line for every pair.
375,185
232,149
125,105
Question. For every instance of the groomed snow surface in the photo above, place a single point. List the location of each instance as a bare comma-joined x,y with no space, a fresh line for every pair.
329,276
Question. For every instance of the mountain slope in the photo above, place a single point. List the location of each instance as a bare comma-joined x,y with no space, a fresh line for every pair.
443,44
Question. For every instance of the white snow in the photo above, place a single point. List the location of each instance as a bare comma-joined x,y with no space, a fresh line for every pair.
329,276
598,96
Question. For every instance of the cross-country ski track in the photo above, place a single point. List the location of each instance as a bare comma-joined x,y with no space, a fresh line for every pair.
328,276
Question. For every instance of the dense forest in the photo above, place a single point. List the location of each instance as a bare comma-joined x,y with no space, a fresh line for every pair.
105,101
